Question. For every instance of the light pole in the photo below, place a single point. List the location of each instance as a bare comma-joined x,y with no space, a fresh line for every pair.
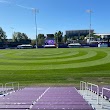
35,18
89,11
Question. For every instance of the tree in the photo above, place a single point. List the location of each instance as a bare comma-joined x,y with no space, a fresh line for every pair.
108,40
24,36
58,36
75,38
33,42
65,38
20,37
17,37
40,39
2,35
81,38
94,36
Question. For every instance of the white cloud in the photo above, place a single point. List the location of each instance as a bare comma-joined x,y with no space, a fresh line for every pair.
3,1
24,7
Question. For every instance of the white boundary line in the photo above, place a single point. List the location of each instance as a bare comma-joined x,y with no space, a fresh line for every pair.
38,98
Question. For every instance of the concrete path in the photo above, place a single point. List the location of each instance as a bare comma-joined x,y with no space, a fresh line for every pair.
91,98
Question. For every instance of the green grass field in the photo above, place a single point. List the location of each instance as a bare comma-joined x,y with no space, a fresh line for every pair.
55,66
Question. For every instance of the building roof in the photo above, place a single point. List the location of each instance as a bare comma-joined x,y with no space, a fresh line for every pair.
102,34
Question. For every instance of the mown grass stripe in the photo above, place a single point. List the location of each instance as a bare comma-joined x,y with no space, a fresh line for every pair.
49,58
89,54
91,64
99,55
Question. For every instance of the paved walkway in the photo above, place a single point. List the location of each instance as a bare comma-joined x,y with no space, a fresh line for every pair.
91,98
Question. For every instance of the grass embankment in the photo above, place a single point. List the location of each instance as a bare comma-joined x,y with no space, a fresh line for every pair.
55,66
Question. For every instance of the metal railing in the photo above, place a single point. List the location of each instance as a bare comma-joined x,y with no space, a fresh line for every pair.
83,86
12,87
2,90
91,89
17,85
103,88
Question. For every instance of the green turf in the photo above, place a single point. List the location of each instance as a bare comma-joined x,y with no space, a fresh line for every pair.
55,66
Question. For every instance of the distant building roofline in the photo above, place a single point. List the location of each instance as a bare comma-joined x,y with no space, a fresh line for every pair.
81,30
102,34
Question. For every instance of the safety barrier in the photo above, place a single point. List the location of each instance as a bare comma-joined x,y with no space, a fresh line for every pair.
12,88
103,88
83,86
2,90
91,89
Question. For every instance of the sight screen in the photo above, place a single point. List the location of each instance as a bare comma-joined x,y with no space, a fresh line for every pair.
49,42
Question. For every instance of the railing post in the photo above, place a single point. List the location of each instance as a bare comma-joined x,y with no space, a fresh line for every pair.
5,88
18,86
83,86
2,88
97,94
91,87
13,86
80,85
87,88
91,91
102,97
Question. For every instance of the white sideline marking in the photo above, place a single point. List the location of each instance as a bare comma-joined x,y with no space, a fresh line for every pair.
38,98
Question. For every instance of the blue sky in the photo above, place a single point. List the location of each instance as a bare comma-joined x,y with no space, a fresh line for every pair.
53,15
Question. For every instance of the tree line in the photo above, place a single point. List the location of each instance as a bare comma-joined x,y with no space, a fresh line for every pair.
22,38
19,37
